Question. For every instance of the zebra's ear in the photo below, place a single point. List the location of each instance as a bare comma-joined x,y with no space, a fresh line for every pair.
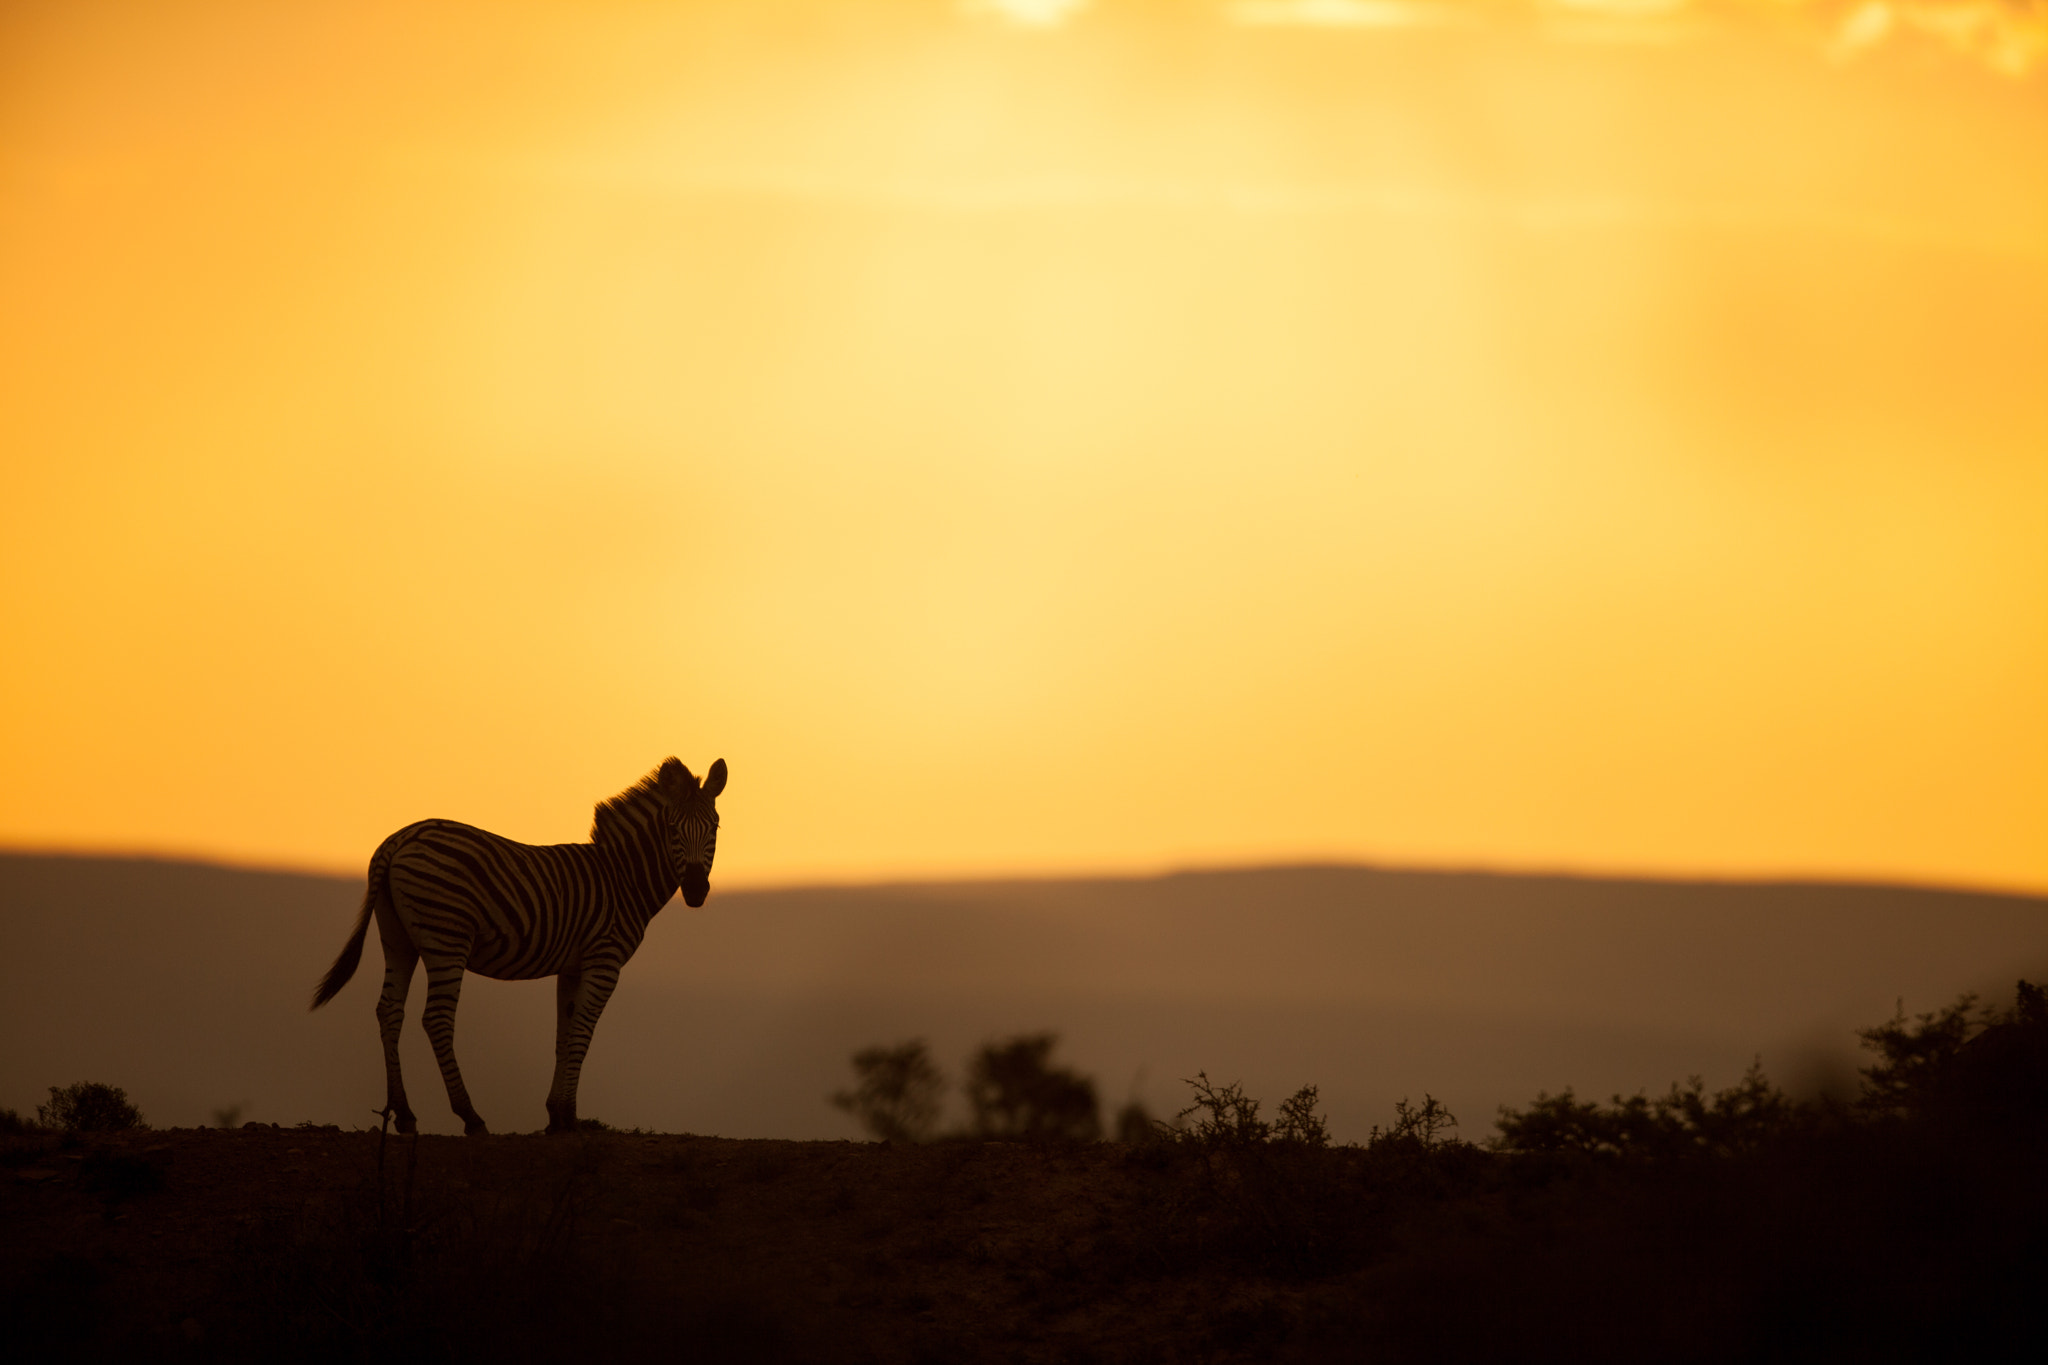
714,781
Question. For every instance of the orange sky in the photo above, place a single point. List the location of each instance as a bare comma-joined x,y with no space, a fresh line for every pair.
1608,435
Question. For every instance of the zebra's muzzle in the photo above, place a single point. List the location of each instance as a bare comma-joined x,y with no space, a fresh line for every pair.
696,884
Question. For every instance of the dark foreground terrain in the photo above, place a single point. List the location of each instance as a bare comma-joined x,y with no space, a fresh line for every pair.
1730,1227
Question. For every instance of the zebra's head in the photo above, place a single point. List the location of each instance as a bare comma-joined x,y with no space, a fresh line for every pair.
689,812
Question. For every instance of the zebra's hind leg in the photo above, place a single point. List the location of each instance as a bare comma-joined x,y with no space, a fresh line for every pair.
444,990
561,1112
580,998
399,962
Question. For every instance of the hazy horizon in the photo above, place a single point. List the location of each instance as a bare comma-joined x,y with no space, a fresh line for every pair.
1116,873
740,1018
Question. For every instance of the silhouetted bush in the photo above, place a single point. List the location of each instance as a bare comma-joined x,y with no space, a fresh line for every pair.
89,1107
1016,1095
1964,1061
1741,1226
1683,1121
1912,1053
1013,1093
2000,1076
897,1095
13,1124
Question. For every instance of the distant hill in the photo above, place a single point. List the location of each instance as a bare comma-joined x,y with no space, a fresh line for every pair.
187,985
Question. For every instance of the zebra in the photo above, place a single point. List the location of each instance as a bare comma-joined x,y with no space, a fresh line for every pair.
462,898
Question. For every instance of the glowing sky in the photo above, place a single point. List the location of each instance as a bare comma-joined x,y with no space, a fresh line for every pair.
1033,437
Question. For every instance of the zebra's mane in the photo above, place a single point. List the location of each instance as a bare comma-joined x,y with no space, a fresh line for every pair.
638,808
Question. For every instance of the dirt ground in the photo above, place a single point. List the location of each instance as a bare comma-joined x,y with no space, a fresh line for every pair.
1840,1240
211,1243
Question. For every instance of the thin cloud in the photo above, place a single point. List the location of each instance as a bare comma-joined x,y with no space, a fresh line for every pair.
2010,36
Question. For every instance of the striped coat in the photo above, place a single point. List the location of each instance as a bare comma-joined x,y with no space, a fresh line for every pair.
463,899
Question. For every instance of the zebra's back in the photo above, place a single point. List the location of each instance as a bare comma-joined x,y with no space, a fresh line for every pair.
514,911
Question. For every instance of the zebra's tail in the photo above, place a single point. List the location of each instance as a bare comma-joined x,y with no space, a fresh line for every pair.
352,951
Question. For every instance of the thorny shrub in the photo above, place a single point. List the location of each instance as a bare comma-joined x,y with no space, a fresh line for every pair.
1277,1198
1427,1124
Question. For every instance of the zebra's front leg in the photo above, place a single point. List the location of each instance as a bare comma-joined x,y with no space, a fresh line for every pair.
579,999
399,961
444,989
561,1118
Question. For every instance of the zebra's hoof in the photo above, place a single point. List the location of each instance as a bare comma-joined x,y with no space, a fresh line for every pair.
475,1128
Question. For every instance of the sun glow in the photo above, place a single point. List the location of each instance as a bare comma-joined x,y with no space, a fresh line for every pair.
1102,447
1031,13
1344,13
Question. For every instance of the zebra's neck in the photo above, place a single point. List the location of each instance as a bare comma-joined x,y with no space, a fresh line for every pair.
630,843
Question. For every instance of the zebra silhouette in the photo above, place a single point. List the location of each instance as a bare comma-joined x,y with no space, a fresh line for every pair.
461,898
